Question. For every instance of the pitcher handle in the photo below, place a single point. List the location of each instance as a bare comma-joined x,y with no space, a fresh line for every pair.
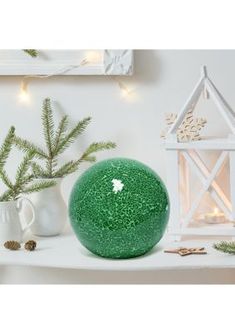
19,207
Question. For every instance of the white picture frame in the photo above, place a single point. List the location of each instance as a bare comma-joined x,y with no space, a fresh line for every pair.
67,62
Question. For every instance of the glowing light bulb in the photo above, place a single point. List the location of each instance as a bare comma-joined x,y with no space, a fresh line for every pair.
94,57
23,95
216,211
125,91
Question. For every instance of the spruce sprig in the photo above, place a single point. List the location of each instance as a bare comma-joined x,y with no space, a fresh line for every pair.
31,52
38,186
225,247
24,180
6,147
60,133
27,146
66,141
48,126
24,166
56,142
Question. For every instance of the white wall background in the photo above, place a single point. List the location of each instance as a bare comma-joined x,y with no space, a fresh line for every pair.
161,83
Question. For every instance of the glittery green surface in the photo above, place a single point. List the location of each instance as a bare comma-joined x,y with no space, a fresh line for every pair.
119,208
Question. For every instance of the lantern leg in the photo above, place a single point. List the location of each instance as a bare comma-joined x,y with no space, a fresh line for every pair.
173,190
184,182
232,183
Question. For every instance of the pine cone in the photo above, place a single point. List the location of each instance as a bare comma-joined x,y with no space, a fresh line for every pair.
30,245
12,245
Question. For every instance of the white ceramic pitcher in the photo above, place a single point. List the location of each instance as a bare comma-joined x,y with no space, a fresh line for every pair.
50,211
11,227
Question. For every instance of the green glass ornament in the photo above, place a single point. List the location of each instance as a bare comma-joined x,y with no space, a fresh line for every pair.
119,208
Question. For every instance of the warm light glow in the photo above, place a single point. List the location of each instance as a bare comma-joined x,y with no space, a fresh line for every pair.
95,57
216,211
126,92
216,216
23,95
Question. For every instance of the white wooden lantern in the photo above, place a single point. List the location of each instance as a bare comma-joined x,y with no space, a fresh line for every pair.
185,156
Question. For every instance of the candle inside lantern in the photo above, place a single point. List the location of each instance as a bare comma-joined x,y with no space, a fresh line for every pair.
215,217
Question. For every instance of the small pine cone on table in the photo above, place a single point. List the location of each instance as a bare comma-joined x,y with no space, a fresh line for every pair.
30,245
12,245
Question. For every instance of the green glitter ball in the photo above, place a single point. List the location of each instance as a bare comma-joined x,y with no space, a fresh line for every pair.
119,208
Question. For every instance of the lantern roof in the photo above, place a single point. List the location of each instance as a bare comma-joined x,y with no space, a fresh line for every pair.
206,87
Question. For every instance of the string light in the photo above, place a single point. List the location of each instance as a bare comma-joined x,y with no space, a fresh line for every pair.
24,95
96,57
93,57
126,92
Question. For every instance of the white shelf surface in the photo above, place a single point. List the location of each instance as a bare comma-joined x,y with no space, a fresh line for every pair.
207,143
66,252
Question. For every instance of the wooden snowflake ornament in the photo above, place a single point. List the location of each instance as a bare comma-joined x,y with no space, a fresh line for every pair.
190,128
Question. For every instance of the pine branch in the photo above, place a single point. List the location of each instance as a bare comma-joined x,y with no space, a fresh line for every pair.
24,166
225,247
26,146
63,125
4,177
27,179
38,171
72,166
96,147
50,167
72,135
36,187
68,168
89,158
14,189
6,196
57,142
23,179
32,52
54,165
48,125
6,147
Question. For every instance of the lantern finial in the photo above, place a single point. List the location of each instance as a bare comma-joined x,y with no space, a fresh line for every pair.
204,71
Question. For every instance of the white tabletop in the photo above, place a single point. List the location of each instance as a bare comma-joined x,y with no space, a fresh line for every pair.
65,251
